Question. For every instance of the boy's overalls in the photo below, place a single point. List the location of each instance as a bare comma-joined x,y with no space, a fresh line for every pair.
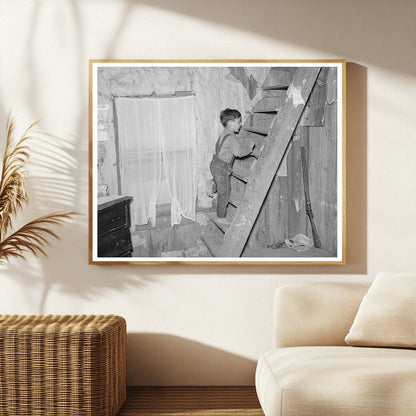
221,172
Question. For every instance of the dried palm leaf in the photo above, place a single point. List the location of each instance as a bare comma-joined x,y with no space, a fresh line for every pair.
33,237
12,183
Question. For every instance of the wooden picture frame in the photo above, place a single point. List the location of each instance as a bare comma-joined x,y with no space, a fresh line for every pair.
153,129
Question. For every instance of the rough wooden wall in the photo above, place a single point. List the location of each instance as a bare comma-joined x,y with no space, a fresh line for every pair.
284,212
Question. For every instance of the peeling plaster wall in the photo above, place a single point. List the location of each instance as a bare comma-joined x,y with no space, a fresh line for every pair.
214,88
204,325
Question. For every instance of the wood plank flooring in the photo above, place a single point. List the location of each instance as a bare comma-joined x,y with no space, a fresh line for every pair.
195,401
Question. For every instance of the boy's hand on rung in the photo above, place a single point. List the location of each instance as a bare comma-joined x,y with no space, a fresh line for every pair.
256,150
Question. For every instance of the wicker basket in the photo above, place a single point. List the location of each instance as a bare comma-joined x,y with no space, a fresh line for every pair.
71,365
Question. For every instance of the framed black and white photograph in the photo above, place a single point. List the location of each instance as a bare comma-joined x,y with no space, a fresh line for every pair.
208,162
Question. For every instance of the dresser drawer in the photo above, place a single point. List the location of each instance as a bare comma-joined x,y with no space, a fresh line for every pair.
115,244
113,218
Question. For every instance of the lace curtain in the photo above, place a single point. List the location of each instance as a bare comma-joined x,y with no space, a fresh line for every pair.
156,134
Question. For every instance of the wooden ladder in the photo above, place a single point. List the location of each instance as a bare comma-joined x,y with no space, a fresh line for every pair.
273,121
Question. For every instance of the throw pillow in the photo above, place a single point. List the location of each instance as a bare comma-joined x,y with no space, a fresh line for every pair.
386,316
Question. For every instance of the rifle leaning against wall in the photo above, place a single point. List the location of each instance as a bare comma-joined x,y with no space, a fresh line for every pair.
305,170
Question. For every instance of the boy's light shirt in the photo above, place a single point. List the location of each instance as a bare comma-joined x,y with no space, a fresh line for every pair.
232,147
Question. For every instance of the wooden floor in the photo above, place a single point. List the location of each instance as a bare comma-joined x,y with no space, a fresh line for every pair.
187,401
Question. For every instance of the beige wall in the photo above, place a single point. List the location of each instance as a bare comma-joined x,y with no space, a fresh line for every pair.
200,324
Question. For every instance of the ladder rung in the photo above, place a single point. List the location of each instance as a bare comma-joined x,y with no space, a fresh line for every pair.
235,199
278,78
248,135
270,104
241,173
275,87
259,123
260,130
266,110
212,244
222,223
259,140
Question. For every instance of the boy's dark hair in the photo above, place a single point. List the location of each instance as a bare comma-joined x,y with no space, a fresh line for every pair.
229,114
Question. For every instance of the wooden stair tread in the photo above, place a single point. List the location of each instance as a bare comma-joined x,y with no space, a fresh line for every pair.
235,199
278,78
275,87
253,137
241,173
266,110
259,122
243,134
254,129
213,245
222,223
274,93
258,118
270,104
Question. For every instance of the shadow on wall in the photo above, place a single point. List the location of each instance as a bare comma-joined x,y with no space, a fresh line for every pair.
53,187
332,26
72,147
60,182
356,168
161,359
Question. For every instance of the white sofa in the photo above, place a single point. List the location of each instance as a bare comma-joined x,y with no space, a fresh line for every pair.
311,371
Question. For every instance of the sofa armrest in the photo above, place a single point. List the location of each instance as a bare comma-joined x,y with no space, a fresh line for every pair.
308,314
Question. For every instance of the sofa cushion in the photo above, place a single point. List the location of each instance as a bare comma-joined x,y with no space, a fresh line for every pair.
387,314
315,314
304,381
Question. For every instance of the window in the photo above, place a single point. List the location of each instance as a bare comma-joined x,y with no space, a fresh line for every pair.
156,134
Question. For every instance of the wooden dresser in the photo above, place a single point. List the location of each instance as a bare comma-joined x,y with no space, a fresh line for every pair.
114,239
